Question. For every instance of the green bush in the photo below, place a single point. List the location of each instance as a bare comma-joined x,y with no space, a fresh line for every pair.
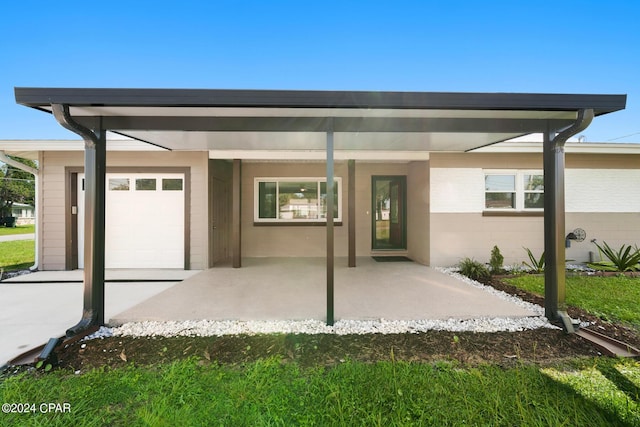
473,269
496,261
625,259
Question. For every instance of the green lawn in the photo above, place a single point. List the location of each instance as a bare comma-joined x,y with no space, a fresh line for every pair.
269,392
613,298
19,229
17,255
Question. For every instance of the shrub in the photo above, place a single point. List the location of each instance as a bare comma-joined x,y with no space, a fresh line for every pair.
537,264
496,261
473,269
625,259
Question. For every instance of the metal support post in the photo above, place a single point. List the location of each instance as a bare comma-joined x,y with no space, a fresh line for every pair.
94,226
352,212
236,209
554,218
330,204
554,224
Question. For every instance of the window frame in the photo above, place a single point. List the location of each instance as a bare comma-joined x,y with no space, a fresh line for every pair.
519,189
289,221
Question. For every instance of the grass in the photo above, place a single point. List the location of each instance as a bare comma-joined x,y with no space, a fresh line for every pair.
20,229
613,298
17,255
269,392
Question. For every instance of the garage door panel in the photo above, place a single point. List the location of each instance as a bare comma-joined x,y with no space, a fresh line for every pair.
144,221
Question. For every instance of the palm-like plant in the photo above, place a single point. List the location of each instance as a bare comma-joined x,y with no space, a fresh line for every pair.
537,264
627,258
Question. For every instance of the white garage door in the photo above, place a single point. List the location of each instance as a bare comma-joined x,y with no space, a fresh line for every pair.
144,220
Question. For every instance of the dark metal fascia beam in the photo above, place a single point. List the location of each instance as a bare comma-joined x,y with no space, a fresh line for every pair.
35,97
554,217
94,234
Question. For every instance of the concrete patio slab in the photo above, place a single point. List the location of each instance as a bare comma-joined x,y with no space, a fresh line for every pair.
295,289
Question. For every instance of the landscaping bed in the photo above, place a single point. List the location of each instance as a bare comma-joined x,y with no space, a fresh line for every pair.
539,346
612,329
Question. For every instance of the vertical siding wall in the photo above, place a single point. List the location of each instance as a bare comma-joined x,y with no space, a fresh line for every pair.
52,253
54,192
602,197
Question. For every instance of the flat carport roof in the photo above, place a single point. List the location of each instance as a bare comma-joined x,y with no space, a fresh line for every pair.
194,119
189,119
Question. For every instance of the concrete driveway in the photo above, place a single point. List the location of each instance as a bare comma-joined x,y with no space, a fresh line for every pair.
31,313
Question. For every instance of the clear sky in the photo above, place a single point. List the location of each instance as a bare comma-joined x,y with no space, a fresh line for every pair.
547,46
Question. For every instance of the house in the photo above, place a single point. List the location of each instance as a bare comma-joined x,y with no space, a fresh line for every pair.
491,196
208,177
23,213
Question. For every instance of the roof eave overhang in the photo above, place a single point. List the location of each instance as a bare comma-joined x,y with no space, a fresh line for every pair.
196,118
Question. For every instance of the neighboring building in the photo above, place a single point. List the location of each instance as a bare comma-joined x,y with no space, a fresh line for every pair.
23,213
172,209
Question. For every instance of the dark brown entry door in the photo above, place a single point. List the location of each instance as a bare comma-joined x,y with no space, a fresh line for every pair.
389,212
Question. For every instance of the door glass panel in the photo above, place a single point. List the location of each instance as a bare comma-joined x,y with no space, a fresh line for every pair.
388,213
119,184
146,184
172,184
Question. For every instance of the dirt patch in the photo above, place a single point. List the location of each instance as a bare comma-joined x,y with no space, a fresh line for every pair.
541,346
504,348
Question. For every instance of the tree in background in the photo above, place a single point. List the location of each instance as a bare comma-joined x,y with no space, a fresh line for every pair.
16,186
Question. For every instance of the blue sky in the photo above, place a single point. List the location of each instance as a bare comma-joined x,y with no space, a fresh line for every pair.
560,46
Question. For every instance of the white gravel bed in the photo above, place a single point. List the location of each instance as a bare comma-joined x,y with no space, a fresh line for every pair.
203,328
452,271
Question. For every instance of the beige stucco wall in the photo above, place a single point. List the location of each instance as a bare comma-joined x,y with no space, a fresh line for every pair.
456,236
602,193
283,240
310,241
53,164
418,211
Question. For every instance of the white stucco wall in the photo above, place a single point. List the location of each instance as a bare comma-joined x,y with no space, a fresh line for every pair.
603,202
460,190
457,190
602,190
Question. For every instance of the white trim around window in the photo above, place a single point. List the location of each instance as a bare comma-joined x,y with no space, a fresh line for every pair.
513,190
294,200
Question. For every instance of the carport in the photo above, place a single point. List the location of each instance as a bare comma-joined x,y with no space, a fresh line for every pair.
343,122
